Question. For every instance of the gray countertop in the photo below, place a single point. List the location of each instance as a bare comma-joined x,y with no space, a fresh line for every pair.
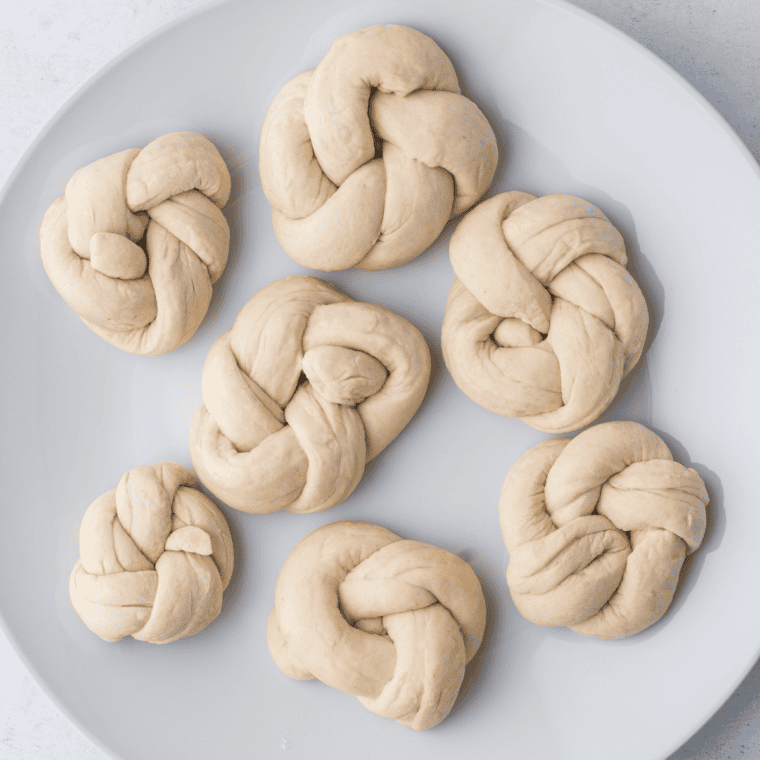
49,47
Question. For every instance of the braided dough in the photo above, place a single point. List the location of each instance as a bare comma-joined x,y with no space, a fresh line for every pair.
156,555
143,301
366,158
305,388
543,320
565,510
390,620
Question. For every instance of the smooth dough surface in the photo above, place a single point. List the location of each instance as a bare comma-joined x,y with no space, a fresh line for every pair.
598,527
155,558
543,320
300,394
389,620
366,158
137,241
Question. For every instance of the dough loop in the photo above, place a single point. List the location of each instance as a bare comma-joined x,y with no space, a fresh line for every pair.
145,300
155,557
305,388
543,320
391,621
597,528
366,158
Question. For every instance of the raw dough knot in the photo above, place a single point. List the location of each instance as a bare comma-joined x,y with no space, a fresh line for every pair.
305,388
597,529
146,299
392,621
155,557
366,158
543,320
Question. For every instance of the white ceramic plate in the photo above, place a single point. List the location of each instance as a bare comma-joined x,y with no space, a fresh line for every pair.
579,109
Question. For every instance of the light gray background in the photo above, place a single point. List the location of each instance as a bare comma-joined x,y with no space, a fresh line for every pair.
49,47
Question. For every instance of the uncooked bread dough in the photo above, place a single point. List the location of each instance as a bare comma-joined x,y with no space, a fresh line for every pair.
392,621
338,199
543,319
146,299
156,555
597,528
305,388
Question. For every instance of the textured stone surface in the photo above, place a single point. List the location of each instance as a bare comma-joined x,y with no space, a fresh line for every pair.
49,47
714,44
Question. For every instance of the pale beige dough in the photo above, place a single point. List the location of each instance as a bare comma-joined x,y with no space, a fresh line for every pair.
170,193
335,203
543,320
300,394
155,558
389,620
598,527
